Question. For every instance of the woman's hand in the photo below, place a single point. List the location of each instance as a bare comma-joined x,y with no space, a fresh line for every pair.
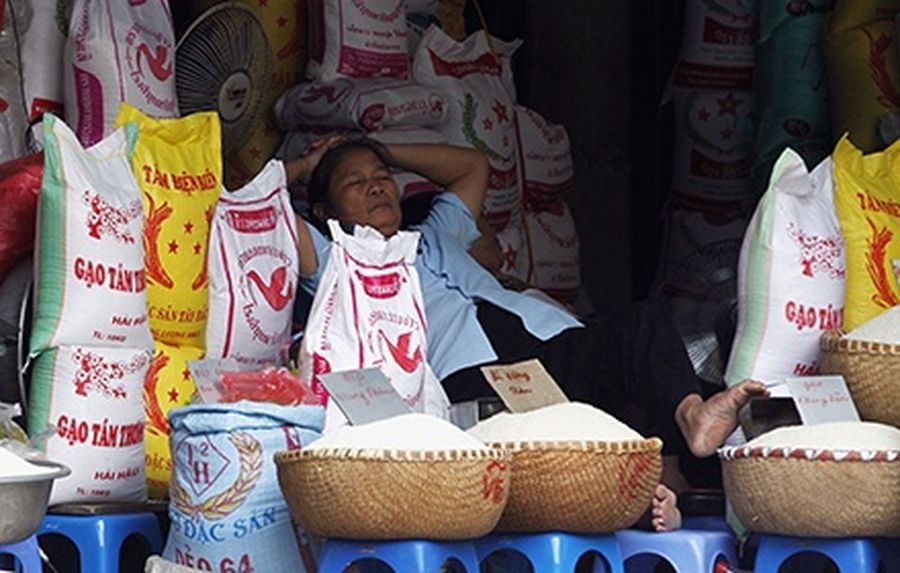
301,168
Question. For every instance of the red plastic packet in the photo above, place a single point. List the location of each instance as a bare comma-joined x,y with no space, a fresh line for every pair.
275,385
20,184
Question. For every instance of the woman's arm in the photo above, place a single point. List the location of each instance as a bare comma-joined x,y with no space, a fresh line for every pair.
459,170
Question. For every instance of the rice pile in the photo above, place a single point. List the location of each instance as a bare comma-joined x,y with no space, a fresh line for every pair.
570,421
409,432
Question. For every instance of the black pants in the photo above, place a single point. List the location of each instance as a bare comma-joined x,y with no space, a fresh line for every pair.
625,355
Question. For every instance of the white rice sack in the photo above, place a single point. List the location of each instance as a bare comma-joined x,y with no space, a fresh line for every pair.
545,152
569,421
90,285
117,51
554,252
883,328
42,58
866,436
366,104
480,90
407,432
253,271
356,39
791,275
93,396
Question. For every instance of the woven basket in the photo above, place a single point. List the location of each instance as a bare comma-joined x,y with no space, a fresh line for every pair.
388,494
581,487
814,493
872,372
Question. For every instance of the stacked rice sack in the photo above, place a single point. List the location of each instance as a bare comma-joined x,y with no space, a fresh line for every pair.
178,167
90,342
117,52
424,84
711,90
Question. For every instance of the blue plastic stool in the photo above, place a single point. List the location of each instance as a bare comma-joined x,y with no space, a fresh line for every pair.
706,523
27,552
851,555
415,555
99,538
554,552
687,550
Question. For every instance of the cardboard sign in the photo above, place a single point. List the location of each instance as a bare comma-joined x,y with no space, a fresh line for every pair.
822,399
364,395
524,386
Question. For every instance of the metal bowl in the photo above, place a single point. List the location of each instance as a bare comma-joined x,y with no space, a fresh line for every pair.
23,501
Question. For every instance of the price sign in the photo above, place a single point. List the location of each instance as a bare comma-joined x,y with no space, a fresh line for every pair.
524,386
364,395
822,399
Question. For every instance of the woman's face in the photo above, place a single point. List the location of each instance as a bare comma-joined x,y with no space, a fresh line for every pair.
362,192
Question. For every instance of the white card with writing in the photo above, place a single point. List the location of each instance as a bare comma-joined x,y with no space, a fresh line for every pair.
524,386
822,399
364,395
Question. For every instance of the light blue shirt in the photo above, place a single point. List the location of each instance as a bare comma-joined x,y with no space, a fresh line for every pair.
452,282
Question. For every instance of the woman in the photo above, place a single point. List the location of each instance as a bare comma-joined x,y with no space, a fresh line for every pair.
626,355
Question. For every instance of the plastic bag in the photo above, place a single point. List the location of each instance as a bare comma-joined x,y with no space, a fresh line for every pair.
20,183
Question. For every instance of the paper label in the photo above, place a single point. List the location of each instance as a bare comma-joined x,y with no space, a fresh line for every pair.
822,399
364,395
524,386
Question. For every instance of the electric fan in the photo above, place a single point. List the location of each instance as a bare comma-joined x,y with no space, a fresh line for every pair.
224,63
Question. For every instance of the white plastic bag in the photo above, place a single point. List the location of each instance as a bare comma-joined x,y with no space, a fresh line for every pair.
791,275
368,312
253,271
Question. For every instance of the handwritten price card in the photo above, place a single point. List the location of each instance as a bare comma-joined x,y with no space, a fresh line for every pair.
524,386
822,399
364,395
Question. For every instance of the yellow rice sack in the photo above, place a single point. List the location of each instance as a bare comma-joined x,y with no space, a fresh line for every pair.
178,166
168,385
867,198
863,70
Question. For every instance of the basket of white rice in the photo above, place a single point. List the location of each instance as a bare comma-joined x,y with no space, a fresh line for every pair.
575,468
836,479
868,357
413,476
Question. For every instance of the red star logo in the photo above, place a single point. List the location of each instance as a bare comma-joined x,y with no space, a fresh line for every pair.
188,227
703,114
510,255
728,105
500,111
488,124
282,21
173,395
186,374
173,246
727,133
197,248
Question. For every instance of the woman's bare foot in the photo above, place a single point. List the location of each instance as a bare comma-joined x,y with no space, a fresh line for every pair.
665,513
706,424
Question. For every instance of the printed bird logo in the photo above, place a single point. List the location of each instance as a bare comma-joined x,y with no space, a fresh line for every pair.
278,292
156,61
400,351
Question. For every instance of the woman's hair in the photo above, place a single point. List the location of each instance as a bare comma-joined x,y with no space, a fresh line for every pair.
317,191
